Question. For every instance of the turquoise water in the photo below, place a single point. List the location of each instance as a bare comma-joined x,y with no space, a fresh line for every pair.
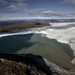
51,49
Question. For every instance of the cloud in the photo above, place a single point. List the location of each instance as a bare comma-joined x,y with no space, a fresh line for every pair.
19,6
11,16
14,4
70,1
48,14
56,14
3,1
6,11
51,13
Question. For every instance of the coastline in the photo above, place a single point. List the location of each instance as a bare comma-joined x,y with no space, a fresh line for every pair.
63,36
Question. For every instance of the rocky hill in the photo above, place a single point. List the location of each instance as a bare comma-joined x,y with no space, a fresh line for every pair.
29,64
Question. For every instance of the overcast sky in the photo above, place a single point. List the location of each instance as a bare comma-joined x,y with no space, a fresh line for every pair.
26,9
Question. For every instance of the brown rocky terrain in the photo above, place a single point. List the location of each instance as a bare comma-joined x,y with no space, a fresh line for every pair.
17,26
29,64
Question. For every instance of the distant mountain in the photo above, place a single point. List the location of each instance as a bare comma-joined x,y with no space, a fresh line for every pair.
52,20
40,20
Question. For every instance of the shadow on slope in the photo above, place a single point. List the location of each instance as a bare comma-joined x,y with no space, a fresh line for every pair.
29,60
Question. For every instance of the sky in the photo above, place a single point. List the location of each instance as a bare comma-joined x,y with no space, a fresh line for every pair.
36,9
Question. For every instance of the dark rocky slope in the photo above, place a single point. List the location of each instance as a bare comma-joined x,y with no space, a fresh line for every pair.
29,64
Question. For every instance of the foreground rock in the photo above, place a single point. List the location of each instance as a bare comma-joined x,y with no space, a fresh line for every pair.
29,64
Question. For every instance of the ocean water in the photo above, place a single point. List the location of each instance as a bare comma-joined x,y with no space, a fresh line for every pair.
51,49
63,32
55,42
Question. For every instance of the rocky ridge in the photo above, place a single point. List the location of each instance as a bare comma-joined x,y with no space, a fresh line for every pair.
29,64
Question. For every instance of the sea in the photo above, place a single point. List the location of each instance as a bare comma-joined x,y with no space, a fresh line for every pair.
55,43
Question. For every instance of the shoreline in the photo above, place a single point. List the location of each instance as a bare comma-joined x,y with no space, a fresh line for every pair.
59,35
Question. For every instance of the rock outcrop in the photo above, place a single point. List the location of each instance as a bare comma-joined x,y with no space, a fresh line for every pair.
29,64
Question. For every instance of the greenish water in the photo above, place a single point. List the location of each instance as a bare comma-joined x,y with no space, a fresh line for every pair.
51,49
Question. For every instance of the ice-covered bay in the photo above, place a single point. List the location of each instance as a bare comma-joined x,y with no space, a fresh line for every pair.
63,32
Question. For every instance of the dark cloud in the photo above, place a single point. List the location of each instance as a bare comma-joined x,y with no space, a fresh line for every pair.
14,4
6,11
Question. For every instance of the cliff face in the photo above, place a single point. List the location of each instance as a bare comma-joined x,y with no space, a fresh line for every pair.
8,67
11,64
28,64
